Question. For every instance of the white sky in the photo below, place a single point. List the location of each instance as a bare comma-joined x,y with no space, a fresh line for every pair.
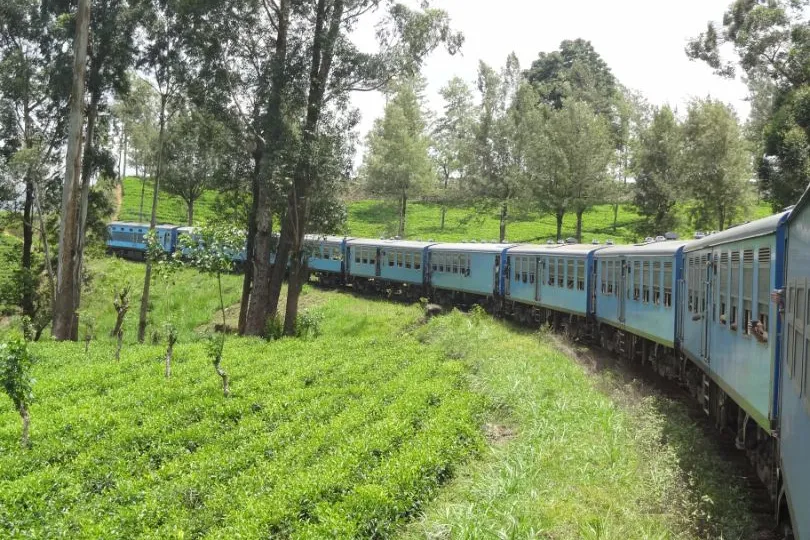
641,40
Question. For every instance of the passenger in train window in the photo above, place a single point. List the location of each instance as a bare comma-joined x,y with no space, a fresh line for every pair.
757,329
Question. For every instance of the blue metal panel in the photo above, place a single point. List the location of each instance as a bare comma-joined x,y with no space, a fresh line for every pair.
794,395
745,368
481,279
399,264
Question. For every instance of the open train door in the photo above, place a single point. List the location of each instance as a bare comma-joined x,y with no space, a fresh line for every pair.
621,295
707,262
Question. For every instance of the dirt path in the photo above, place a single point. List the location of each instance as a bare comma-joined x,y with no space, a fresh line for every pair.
118,191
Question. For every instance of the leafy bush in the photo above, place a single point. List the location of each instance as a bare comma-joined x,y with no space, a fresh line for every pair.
309,324
15,376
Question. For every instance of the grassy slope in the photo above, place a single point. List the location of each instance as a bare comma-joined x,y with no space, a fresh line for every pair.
171,209
348,435
373,219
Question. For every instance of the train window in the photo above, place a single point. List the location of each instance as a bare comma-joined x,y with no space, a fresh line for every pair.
552,271
657,282
603,280
408,259
748,290
357,255
637,278
734,293
391,258
530,268
789,330
455,264
417,261
764,284
798,331
668,284
560,272
645,284
442,258
581,275
570,276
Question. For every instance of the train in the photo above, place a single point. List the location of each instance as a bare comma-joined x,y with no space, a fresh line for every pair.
726,315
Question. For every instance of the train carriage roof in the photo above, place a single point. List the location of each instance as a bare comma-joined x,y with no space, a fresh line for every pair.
555,249
754,229
402,244
139,225
649,249
329,239
472,248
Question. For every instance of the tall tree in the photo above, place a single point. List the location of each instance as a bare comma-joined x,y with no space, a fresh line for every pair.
34,85
571,162
397,163
64,313
658,165
772,44
716,164
195,144
452,138
495,178
575,71
164,58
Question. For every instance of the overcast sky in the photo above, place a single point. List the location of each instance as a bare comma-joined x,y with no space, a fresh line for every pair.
641,40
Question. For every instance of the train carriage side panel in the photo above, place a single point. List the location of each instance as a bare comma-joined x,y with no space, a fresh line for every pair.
637,289
325,253
794,418
728,279
468,268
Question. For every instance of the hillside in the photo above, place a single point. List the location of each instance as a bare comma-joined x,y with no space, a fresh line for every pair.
381,426
374,219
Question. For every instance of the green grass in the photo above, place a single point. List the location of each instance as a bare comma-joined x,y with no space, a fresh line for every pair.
355,433
584,456
171,209
374,219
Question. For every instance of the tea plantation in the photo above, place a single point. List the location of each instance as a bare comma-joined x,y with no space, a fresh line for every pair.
381,425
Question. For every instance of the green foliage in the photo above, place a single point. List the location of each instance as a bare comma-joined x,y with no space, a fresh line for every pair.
309,324
16,365
319,438
658,165
716,165
210,249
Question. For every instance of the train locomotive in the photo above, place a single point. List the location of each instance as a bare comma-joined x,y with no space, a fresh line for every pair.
727,316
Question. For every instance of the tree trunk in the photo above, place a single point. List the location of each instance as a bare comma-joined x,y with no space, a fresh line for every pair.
722,217
247,282
218,361
26,423
260,303
297,279
322,55
403,208
147,280
279,270
28,242
190,205
559,215
615,217
143,193
504,215
63,313
45,247
92,115
579,225
124,161
444,213
119,344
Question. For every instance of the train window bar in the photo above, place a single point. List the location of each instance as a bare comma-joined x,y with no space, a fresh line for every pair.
552,271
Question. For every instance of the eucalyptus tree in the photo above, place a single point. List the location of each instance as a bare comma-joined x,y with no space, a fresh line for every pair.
406,36
771,41
452,138
34,86
716,168
496,173
659,169
397,163
571,162
195,143
165,61
65,308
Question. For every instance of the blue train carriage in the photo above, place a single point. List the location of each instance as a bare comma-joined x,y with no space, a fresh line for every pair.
398,267
468,274
127,239
326,258
727,329
794,431
637,299
551,284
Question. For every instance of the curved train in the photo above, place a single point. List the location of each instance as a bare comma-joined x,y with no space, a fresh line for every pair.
726,315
